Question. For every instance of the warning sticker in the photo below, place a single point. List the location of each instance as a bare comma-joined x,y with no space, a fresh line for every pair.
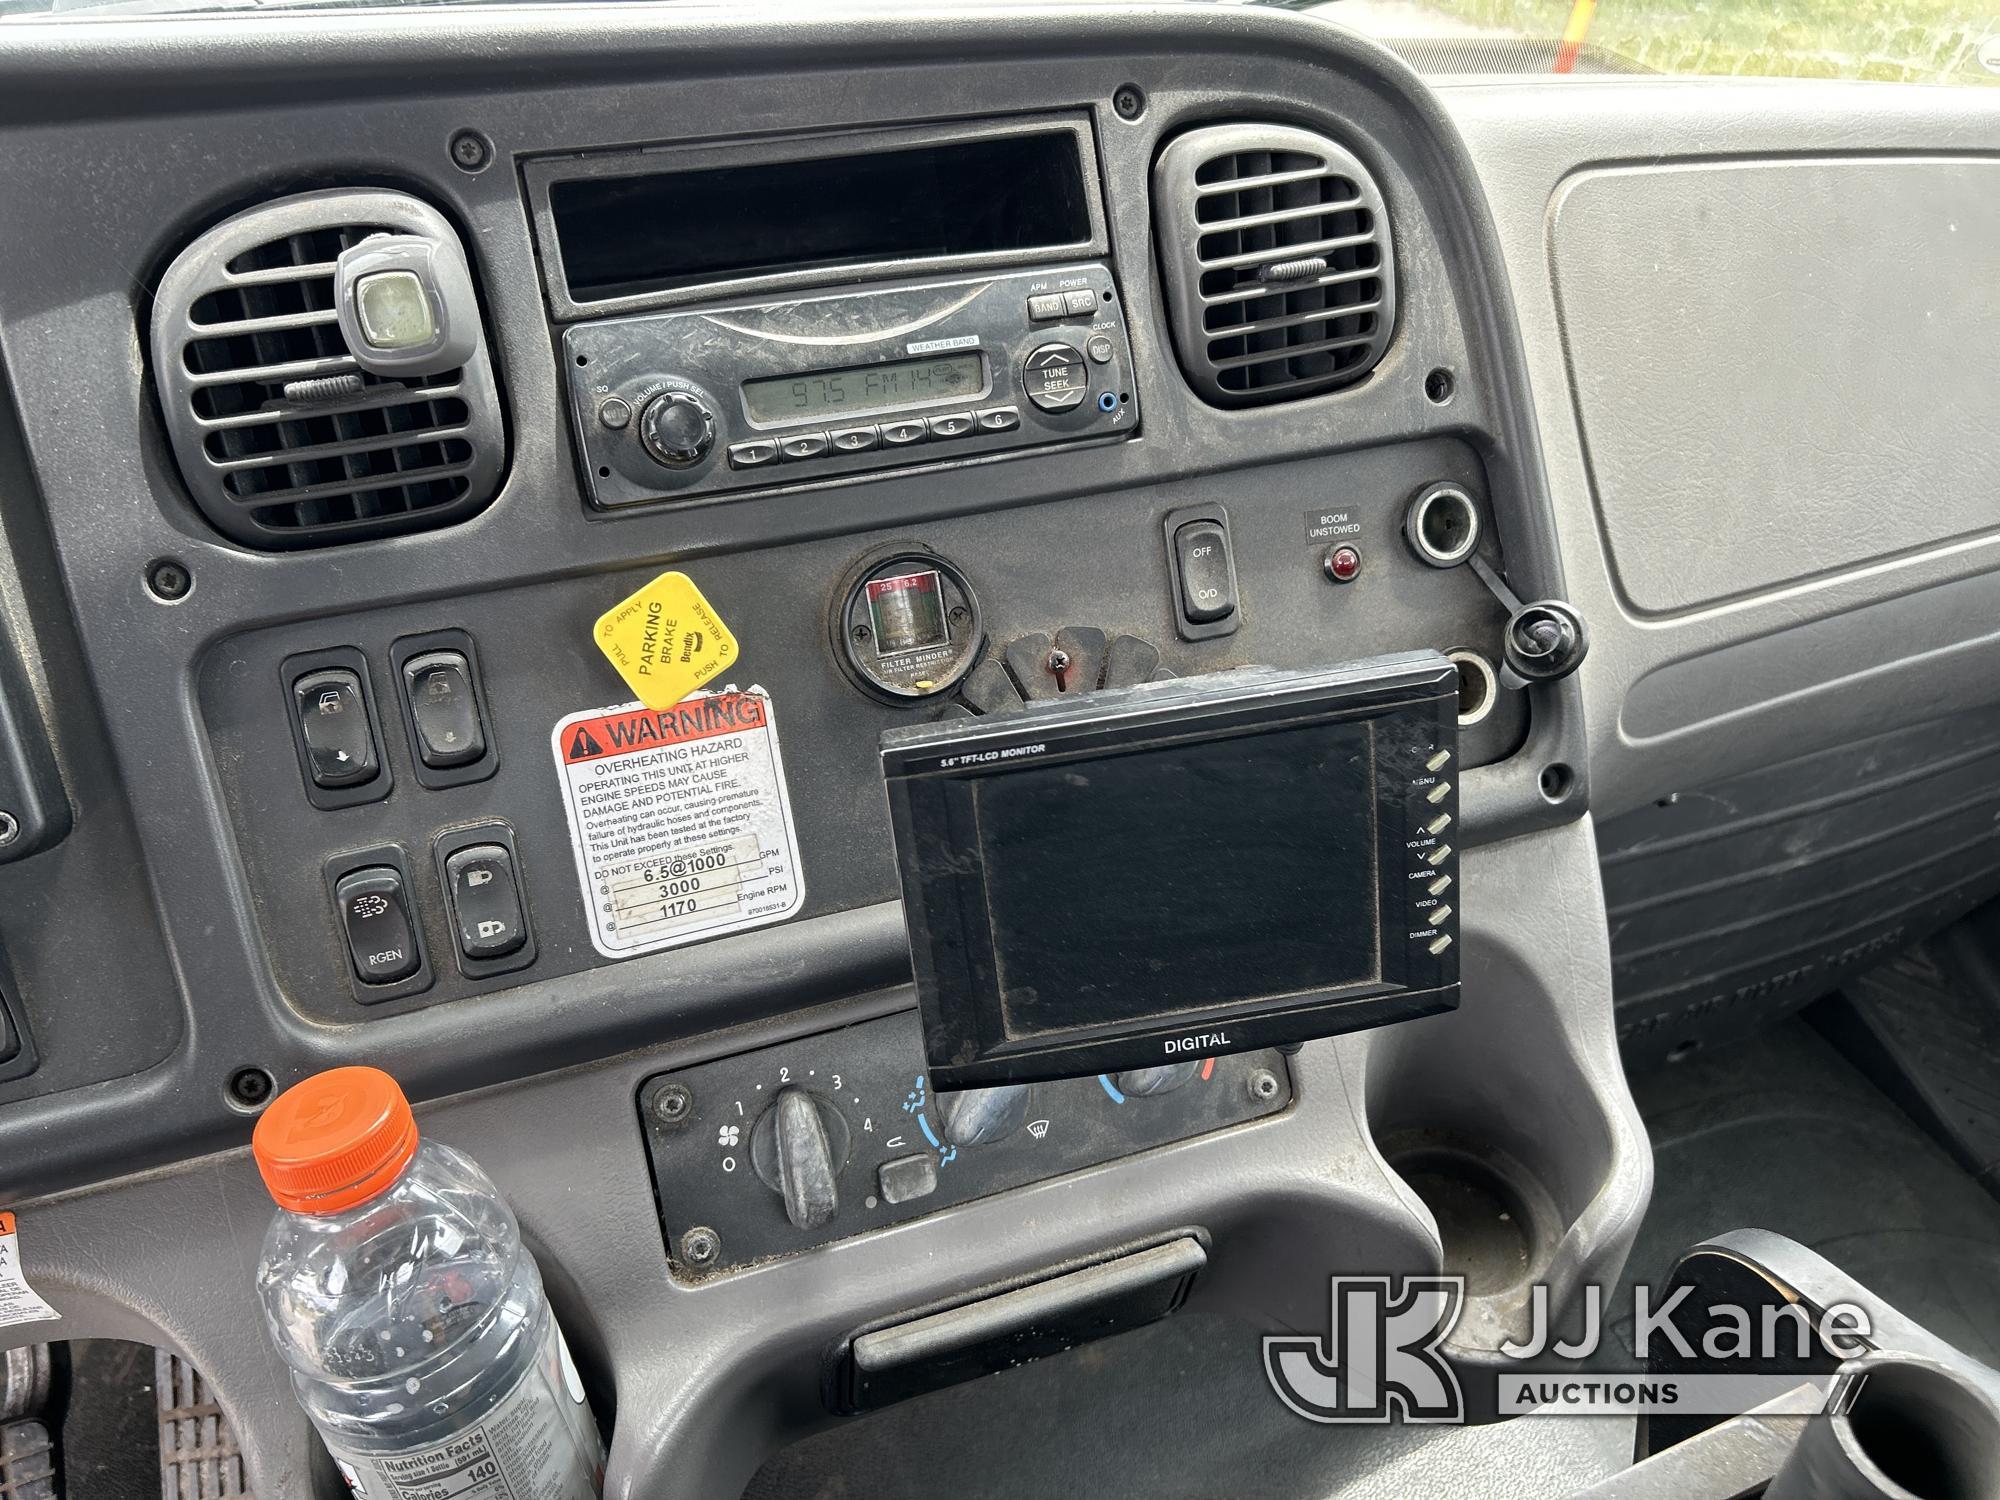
18,1301
680,819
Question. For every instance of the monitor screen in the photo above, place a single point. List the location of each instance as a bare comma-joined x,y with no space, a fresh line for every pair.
1181,878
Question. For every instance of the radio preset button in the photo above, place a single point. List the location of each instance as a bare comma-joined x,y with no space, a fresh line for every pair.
1044,306
1055,377
1080,304
800,445
896,434
998,419
950,424
749,455
855,439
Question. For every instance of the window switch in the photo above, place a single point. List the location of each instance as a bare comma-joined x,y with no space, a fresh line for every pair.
444,708
334,723
375,916
1208,582
485,902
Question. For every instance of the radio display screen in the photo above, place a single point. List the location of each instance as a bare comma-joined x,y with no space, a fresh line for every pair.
1171,880
831,394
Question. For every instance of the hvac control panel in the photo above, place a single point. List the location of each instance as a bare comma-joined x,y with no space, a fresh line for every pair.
790,1147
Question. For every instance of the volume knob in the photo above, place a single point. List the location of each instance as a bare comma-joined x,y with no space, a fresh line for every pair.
677,429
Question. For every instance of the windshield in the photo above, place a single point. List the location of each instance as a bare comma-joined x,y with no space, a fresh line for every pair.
1904,41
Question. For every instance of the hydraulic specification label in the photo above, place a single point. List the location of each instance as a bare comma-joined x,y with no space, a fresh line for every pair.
680,820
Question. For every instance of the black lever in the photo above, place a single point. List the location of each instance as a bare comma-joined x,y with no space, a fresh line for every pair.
1543,642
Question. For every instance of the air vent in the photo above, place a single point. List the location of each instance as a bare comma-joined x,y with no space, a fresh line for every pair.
283,439
1275,247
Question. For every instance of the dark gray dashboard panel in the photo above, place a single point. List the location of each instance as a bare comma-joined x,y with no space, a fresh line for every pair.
128,108
1093,560
1786,578
705,1381
1780,367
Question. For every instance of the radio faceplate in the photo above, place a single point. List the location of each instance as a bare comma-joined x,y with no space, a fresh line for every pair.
762,395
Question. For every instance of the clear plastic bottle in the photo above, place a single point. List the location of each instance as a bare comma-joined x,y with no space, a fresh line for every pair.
396,1286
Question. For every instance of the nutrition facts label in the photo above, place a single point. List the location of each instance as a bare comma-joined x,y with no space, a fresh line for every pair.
680,820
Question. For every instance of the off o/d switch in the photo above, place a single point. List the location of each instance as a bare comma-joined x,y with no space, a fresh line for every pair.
1208,582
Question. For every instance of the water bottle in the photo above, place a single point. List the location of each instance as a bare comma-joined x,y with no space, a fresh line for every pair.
396,1286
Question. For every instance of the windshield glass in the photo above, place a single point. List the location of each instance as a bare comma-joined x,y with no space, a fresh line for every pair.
1905,41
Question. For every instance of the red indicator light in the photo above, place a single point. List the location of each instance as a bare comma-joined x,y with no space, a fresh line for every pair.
1342,563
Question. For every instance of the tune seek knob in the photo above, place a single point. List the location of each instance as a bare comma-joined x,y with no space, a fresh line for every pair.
1140,1082
797,1148
677,429
975,1117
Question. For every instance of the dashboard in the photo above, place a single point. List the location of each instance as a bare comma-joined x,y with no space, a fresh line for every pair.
410,389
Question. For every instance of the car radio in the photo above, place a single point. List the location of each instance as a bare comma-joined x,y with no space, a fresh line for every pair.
717,400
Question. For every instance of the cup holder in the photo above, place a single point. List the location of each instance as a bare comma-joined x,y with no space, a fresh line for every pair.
1898,1426
1497,1225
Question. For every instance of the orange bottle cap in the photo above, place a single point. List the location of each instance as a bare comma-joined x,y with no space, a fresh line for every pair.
334,1140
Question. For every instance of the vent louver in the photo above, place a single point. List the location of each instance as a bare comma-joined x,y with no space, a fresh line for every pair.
283,439
1275,246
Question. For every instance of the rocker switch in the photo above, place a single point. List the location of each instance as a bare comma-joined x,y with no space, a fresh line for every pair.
1208,588
444,708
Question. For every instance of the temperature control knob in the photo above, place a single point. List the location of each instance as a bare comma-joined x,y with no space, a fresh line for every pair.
974,1117
677,429
797,1147
1140,1082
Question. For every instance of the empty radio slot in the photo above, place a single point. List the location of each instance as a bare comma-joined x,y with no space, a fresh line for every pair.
633,226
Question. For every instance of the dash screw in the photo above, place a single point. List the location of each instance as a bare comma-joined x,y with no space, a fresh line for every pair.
700,1246
168,581
470,152
672,1104
1263,1086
